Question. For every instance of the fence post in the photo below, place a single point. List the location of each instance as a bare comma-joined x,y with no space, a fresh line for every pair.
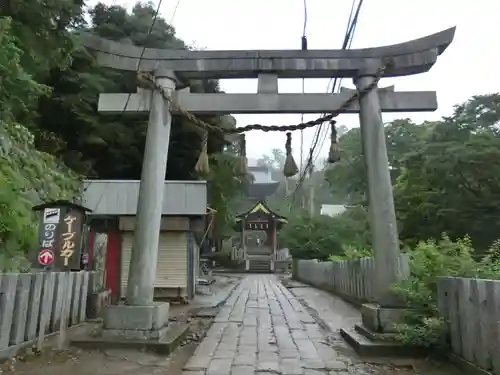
63,325
84,297
8,285
20,309
47,296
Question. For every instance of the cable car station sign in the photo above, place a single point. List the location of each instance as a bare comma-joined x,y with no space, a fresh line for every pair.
60,234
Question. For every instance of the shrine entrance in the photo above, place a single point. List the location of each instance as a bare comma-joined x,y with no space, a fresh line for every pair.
259,228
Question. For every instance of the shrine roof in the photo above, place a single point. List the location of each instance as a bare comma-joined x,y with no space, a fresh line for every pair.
261,206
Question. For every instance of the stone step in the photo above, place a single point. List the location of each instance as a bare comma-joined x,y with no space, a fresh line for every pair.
369,344
260,266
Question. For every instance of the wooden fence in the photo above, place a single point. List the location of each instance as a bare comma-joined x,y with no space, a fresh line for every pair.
472,309
353,279
29,301
237,254
282,254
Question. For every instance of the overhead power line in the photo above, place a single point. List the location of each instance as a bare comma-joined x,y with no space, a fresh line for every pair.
303,48
322,131
350,30
148,35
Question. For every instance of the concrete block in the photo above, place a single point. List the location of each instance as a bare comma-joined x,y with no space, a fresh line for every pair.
388,318
366,347
381,319
134,334
169,339
369,316
144,318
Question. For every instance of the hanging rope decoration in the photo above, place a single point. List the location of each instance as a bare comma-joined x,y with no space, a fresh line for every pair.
202,166
334,152
241,166
290,168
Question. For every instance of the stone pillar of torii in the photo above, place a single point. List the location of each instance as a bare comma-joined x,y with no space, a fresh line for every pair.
170,67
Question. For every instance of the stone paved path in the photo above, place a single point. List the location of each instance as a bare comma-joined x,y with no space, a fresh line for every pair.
263,329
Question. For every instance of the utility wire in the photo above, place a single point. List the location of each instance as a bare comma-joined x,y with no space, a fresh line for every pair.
322,130
150,31
174,12
351,26
304,48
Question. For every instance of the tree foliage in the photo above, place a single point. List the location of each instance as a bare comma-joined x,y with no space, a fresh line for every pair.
50,84
445,173
430,260
310,238
27,176
320,237
445,178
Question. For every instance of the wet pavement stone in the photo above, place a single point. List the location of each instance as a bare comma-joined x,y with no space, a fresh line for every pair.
265,329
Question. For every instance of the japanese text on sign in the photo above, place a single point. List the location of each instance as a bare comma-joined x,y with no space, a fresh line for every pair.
48,236
68,239
258,226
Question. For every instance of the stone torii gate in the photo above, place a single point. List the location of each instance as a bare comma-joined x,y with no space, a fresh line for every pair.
173,67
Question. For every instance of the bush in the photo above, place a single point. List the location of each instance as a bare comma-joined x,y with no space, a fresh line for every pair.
430,260
352,253
310,237
320,237
27,177
352,228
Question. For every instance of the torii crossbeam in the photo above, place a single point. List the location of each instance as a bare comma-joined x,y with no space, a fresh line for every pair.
172,70
390,101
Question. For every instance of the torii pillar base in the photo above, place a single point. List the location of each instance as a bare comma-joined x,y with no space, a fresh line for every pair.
135,327
136,322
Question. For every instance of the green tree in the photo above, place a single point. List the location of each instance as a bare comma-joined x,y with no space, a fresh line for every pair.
347,178
27,176
450,184
310,238
105,146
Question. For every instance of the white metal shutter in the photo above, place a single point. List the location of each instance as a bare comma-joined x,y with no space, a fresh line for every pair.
126,253
171,266
171,270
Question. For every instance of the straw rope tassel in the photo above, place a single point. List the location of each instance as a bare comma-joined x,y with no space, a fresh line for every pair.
334,152
241,166
290,168
202,166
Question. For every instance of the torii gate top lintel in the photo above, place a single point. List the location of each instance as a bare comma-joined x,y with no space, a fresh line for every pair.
412,57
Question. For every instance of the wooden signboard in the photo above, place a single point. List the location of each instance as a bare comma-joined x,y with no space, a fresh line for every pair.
259,221
68,247
60,235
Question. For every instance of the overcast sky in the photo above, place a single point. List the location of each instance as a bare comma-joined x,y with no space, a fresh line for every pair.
470,66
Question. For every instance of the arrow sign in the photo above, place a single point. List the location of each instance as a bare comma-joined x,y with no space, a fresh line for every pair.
46,257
